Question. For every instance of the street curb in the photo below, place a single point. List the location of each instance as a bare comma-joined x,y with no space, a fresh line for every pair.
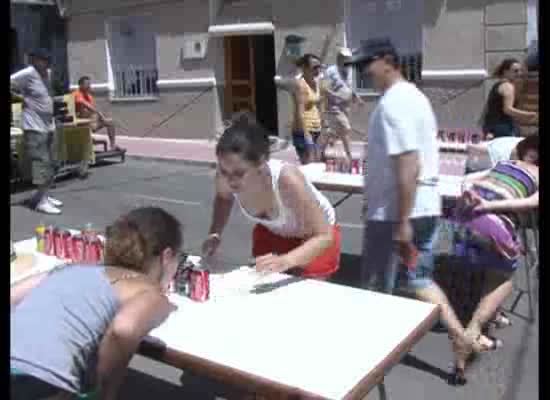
196,163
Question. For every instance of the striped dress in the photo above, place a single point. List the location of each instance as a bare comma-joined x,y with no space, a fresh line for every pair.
491,238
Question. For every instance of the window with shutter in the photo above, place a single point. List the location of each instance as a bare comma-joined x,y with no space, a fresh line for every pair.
132,48
400,20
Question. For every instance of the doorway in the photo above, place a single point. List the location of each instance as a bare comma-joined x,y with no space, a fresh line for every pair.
249,83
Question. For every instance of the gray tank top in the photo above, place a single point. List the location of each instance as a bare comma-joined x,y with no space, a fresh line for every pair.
56,330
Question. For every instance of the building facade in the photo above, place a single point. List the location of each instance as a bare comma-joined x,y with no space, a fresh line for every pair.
34,24
179,68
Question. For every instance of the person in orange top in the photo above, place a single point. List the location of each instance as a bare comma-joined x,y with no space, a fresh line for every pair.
86,108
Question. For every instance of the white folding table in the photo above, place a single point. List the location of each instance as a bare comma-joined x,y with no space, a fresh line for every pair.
349,184
285,337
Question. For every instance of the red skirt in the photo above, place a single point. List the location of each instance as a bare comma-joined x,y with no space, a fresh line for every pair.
264,242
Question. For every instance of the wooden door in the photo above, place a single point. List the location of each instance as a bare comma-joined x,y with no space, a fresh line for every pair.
240,88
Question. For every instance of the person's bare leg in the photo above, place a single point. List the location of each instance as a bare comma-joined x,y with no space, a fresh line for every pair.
323,143
112,135
461,344
345,135
496,291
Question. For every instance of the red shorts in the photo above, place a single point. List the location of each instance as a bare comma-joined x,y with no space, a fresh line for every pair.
264,242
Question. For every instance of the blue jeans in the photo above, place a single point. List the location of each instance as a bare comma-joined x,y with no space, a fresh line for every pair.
300,143
381,268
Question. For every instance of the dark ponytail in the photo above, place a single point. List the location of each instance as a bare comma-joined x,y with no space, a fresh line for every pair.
246,138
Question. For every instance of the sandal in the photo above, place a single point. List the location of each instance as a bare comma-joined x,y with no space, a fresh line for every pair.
483,343
462,348
501,320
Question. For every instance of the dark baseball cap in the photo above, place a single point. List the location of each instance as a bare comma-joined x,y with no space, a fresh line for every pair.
41,53
373,49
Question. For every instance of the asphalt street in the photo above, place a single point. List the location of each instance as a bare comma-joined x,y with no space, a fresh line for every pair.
187,191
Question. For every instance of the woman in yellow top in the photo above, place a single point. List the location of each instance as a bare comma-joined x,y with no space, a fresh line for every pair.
306,124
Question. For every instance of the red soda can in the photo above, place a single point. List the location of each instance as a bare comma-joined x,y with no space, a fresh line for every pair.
78,248
199,285
67,245
94,251
355,166
330,165
58,247
49,242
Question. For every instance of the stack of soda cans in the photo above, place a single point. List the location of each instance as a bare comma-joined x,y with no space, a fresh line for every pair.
338,164
192,280
82,247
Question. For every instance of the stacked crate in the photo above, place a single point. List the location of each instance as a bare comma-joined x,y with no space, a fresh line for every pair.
529,100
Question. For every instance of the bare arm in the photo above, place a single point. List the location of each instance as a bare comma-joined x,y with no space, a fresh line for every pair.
133,322
21,289
407,166
295,195
512,205
475,176
507,91
223,204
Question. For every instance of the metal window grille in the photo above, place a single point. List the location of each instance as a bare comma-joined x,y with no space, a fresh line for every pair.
135,81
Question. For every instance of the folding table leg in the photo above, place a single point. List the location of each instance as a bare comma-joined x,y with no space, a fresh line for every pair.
527,268
347,196
382,392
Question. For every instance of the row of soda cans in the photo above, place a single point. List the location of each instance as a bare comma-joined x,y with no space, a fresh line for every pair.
341,165
82,247
191,280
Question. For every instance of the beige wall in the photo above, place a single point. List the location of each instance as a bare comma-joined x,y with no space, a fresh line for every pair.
466,34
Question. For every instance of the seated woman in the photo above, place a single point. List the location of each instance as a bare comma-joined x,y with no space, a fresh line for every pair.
295,227
74,330
485,155
486,223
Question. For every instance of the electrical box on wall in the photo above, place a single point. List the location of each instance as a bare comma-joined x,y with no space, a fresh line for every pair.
194,48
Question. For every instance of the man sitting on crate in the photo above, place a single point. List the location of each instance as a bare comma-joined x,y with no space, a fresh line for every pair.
86,108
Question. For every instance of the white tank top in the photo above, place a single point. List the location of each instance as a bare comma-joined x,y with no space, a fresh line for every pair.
287,223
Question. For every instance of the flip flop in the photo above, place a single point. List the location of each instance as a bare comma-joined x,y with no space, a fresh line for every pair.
501,321
491,344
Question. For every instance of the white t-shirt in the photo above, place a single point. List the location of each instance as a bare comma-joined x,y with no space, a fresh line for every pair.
402,121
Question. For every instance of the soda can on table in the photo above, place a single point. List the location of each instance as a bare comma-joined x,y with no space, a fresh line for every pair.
180,283
355,166
49,242
331,165
78,249
40,233
58,247
94,251
199,285
66,238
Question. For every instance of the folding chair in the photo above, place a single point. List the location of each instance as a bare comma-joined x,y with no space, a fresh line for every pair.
531,262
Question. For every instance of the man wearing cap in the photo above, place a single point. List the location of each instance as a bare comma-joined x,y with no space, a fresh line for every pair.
404,204
339,95
37,119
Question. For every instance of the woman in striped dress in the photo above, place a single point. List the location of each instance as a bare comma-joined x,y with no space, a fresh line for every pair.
486,221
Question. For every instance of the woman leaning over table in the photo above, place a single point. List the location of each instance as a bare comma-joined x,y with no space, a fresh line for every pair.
486,222
295,228
74,330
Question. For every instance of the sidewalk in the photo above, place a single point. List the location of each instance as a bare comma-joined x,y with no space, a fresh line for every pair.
197,152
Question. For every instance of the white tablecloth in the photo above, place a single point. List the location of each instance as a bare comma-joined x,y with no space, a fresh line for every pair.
316,336
449,185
